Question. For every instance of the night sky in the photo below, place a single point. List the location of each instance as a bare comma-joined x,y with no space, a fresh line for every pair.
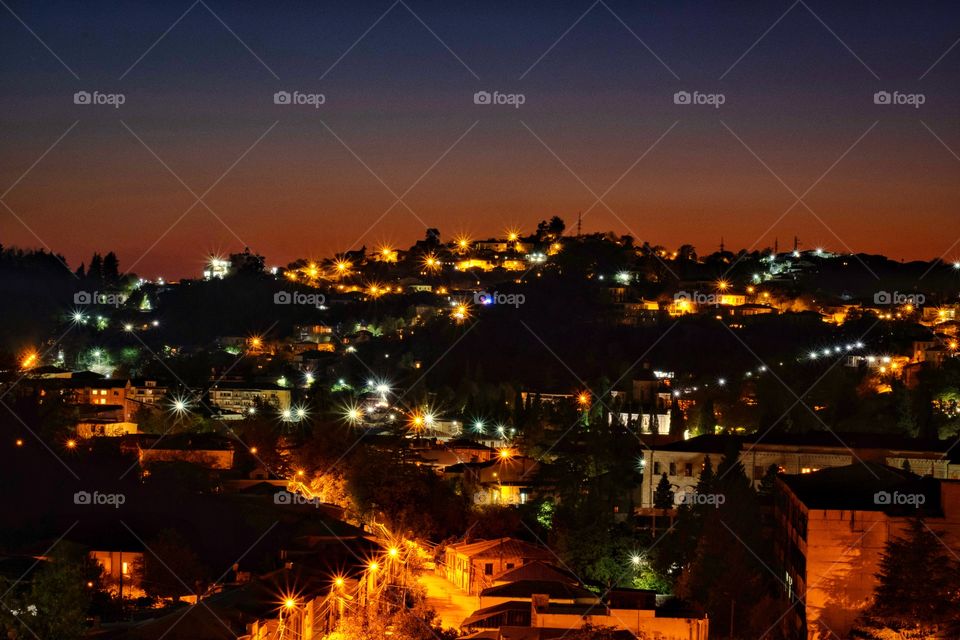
400,120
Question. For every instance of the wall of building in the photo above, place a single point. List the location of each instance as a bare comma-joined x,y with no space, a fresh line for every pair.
757,460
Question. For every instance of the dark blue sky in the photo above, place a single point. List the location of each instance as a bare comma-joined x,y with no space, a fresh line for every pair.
798,111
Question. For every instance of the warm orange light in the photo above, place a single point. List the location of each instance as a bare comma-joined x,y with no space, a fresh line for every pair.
19,442
393,552
723,285
584,398
71,444
431,262
505,454
29,360
513,235
373,566
289,603
300,472
253,450
338,581
460,312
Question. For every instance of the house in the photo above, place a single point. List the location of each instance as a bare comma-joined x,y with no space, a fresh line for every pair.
792,454
206,450
473,566
558,591
98,429
831,530
504,480
624,609
240,397
118,571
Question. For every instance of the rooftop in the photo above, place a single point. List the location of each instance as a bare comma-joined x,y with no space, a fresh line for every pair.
855,487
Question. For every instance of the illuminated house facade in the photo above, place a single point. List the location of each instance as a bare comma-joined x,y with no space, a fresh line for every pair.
240,397
474,566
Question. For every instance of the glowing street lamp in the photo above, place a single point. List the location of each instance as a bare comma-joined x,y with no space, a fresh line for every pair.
431,262
353,415
180,406
460,312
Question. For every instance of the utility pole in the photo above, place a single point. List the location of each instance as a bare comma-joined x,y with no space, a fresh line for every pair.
579,222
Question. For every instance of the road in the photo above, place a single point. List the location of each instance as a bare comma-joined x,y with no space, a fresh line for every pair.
451,604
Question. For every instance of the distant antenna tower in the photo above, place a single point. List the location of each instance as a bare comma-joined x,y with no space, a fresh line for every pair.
776,246
796,243
721,244
579,222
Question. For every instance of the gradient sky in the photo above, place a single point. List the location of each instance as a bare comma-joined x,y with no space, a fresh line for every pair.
399,101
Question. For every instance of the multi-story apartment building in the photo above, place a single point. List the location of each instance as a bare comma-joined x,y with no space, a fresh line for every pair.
831,530
240,397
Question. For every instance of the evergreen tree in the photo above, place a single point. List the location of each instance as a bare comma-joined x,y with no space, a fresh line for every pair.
768,482
111,268
663,494
95,270
919,583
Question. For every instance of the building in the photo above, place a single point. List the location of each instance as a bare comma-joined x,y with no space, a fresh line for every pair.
792,454
206,450
118,571
474,566
95,429
240,397
625,609
145,393
505,479
831,530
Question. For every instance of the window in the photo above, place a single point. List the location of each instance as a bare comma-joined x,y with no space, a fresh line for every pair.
688,469
656,468
126,569
758,472
510,565
673,468
488,569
